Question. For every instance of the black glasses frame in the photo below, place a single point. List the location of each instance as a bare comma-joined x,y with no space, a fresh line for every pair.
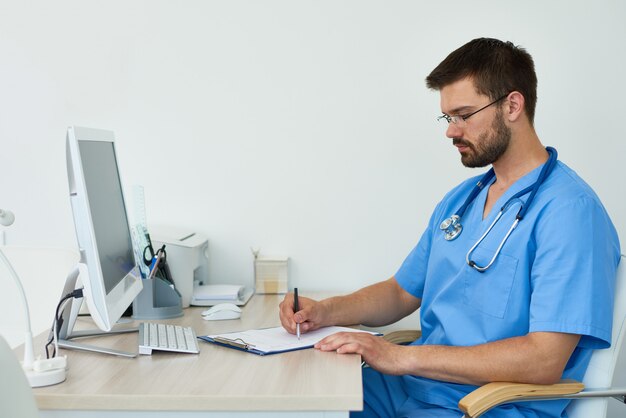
455,119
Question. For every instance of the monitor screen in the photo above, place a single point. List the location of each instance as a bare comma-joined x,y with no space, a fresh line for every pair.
108,214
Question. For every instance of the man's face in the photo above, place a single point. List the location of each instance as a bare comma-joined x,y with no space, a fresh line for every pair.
482,138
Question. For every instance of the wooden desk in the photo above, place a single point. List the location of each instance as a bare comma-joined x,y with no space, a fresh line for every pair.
301,383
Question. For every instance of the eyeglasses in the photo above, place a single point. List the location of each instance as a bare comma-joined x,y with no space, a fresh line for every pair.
460,119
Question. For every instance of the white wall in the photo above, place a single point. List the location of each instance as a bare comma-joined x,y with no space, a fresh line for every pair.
302,128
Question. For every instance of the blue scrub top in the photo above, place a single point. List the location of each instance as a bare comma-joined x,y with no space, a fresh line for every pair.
556,272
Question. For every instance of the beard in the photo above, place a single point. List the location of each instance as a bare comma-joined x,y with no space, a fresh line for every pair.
490,145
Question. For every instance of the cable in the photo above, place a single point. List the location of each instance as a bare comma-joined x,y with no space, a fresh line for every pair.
53,337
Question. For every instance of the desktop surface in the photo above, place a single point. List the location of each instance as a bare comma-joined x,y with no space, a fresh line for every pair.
216,379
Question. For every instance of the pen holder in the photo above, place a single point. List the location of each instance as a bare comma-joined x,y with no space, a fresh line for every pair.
157,300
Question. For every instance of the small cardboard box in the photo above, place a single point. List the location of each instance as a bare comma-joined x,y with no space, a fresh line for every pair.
271,275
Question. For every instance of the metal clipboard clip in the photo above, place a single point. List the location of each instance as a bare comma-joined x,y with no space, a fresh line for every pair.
237,342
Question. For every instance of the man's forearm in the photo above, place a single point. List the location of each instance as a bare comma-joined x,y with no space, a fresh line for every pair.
376,305
535,358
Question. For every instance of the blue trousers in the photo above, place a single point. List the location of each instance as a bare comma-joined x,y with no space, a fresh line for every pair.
385,396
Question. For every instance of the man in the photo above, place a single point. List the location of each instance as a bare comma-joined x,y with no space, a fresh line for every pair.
530,311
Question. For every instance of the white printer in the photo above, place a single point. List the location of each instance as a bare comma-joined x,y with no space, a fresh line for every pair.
188,260
187,257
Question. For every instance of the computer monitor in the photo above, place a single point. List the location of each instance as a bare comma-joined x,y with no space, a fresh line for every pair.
107,267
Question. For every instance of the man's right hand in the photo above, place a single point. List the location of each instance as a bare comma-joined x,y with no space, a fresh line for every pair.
312,314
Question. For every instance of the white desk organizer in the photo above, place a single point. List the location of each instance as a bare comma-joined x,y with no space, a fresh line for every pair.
157,300
271,274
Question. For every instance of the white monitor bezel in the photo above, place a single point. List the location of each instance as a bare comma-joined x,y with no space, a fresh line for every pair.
105,309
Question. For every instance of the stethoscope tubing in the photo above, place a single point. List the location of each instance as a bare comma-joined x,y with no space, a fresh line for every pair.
472,263
452,227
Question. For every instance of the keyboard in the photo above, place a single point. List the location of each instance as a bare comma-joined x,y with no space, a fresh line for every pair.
166,337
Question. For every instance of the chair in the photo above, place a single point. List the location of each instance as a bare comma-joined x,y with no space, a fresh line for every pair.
16,395
605,377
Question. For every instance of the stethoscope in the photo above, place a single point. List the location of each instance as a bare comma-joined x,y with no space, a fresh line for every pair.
452,227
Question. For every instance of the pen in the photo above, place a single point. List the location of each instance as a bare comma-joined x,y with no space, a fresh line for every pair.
296,308
157,259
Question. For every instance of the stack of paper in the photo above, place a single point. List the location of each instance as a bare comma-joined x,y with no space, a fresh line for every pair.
218,291
212,294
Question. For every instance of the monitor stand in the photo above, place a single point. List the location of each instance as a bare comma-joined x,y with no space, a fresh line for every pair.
65,327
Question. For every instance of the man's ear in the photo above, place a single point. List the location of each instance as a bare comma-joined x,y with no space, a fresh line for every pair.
514,107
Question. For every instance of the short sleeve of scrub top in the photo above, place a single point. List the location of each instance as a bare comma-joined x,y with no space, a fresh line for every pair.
573,273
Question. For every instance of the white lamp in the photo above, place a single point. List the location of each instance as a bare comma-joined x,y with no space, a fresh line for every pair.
6,217
40,372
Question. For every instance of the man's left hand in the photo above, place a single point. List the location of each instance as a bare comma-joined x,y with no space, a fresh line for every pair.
375,351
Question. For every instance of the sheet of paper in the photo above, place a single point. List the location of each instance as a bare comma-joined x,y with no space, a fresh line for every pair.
275,339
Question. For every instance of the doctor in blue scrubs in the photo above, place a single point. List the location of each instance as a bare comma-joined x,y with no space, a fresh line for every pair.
514,273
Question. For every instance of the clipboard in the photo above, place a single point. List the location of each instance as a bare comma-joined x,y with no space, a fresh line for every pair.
267,341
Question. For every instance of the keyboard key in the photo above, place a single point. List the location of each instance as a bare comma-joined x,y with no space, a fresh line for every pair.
171,337
154,335
190,338
180,338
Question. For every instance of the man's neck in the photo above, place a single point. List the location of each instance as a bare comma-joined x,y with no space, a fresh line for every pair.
522,157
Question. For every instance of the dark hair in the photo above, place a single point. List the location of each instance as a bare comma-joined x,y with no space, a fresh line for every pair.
496,67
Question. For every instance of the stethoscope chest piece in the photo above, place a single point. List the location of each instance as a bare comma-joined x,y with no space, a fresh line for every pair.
452,227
